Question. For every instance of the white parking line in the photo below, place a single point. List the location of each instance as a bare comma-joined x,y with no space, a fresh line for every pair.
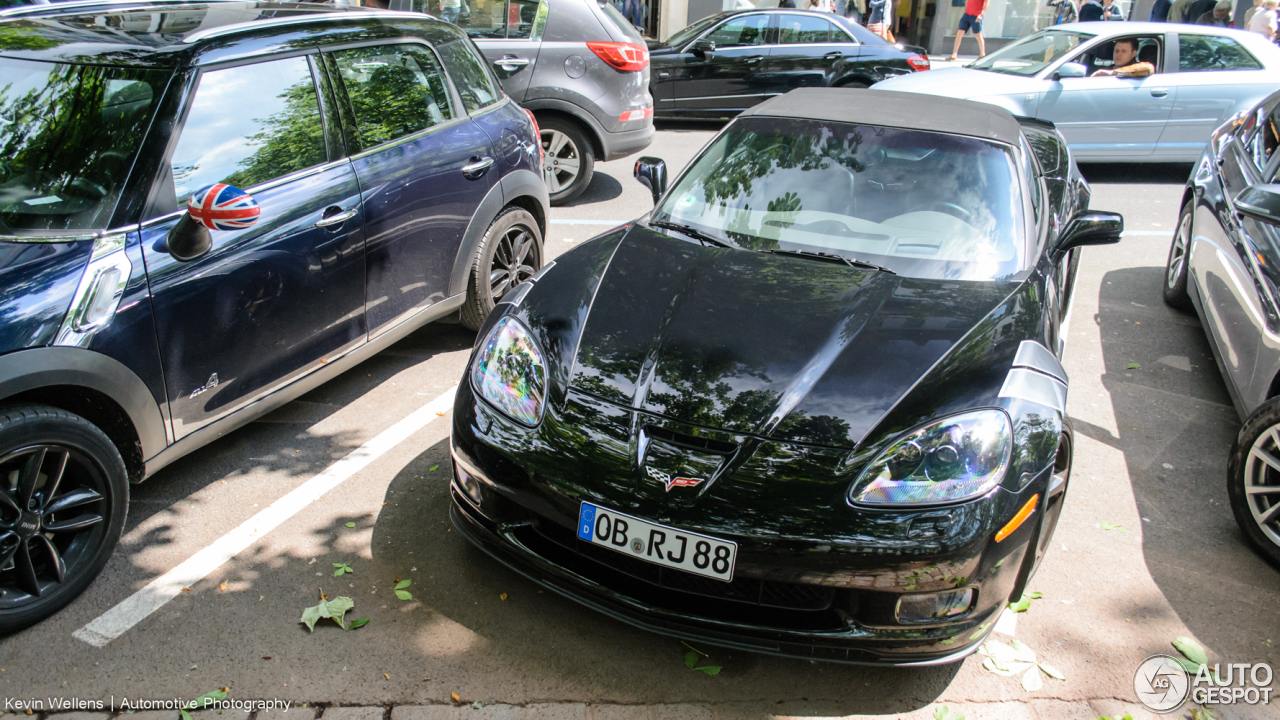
134,609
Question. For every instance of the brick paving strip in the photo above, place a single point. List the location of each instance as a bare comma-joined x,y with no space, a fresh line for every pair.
1026,710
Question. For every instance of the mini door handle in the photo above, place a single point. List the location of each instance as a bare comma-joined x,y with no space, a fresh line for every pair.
510,63
754,59
476,167
336,219
1159,92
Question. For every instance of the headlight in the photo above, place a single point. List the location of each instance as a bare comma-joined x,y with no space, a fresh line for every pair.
948,460
510,374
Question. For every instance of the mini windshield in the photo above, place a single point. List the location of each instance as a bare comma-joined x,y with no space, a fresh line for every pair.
68,137
1031,54
922,204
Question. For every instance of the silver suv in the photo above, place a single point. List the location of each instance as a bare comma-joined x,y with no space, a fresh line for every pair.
579,65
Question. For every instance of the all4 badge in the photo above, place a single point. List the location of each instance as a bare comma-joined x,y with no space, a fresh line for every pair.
669,481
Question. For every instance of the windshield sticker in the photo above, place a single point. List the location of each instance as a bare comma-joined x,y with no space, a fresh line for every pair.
47,200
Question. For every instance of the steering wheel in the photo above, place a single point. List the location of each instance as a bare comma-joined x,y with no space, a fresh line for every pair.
951,209
87,189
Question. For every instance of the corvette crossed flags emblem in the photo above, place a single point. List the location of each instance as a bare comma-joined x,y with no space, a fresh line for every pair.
669,481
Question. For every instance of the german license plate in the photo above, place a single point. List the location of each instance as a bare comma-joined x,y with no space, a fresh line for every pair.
659,544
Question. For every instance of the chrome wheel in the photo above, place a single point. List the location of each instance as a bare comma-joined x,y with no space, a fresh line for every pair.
1262,483
1178,255
53,503
561,162
514,261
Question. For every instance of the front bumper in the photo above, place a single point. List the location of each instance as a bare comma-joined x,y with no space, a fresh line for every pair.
790,598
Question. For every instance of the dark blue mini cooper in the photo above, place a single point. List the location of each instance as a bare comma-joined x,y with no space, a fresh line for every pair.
206,211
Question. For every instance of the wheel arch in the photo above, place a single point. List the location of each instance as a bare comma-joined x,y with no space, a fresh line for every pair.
98,388
847,80
588,126
523,188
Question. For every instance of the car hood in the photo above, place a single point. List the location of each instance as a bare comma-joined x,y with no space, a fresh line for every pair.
962,83
768,345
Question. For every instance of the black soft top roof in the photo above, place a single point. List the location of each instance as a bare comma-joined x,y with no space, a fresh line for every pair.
912,111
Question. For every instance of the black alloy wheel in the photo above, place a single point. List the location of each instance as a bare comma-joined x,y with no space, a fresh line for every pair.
509,254
63,495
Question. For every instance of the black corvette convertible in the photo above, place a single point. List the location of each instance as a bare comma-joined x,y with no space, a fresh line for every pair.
811,404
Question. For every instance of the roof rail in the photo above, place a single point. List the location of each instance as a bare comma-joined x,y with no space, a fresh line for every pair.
59,7
234,28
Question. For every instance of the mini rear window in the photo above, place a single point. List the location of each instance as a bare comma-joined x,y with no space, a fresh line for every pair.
476,86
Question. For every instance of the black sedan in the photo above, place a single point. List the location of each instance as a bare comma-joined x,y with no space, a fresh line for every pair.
726,63
1225,263
810,405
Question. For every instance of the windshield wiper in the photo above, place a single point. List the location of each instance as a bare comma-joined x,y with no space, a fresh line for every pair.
691,232
831,257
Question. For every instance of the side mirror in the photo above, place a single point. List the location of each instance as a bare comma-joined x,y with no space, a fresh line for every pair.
1070,70
651,172
1260,202
213,207
1091,228
704,46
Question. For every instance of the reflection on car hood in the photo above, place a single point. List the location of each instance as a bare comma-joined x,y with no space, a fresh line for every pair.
774,346
959,82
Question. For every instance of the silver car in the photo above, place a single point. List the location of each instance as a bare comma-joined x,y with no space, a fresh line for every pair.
579,65
1203,75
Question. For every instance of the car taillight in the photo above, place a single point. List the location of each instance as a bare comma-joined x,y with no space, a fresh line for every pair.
640,114
537,133
627,57
918,62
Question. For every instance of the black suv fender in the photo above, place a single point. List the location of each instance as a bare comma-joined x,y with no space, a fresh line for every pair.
60,371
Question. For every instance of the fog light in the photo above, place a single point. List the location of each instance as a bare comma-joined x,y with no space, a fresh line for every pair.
469,485
932,607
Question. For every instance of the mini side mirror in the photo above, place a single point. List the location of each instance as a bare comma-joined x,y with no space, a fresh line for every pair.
651,172
1091,228
1070,70
704,46
213,207
1260,202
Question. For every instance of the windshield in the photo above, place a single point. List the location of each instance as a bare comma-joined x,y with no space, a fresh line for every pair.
691,32
922,204
1031,54
69,134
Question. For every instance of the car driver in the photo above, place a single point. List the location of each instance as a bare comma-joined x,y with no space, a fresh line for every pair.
1123,54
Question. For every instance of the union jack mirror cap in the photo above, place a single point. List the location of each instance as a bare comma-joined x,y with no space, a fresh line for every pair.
223,207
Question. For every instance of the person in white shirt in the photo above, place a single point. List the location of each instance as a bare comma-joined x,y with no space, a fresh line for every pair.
1265,20
1248,14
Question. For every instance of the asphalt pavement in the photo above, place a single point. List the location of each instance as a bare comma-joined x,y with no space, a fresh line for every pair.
1146,549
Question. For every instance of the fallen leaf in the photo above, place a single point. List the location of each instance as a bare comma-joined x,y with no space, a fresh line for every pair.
1052,672
477,705
350,524
386,676
1112,526
1022,605
503,596
455,697
1133,366
709,669
942,712
333,609
342,569
198,703
186,589
266,657
433,468
441,412
1034,595
1032,680
223,586
358,623
1193,650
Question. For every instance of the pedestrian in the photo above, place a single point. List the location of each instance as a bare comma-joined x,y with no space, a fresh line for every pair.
1264,21
1198,8
1219,16
841,7
875,17
450,10
819,6
1248,14
971,20
857,10
1178,10
1160,11
787,4
1111,10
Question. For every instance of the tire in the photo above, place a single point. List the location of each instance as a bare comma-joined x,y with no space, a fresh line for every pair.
1177,267
855,84
568,161
87,504
510,250
1247,469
